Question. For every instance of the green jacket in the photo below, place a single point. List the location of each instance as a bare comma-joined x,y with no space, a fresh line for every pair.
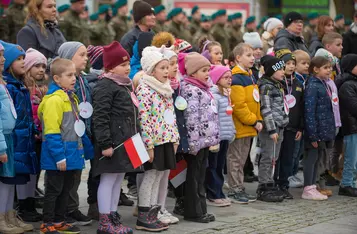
102,33
179,31
120,25
220,34
75,28
200,34
235,36
194,26
16,17
159,27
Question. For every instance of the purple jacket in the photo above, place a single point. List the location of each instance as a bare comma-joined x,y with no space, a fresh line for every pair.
201,120
335,105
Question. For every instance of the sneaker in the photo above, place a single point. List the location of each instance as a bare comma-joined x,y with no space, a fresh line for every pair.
80,219
251,198
225,185
269,193
217,202
210,217
66,228
70,220
286,193
202,219
133,192
347,191
173,219
294,182
310,193
48,228
238,197
163,218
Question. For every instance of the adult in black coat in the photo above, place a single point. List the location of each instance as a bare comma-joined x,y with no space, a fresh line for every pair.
41,31
349,39
324,26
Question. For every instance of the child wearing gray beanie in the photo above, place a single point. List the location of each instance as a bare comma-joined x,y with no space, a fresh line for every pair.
68,49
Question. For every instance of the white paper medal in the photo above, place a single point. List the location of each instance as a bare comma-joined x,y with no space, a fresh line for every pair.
169,116
229,110
134,99
291,100
85,110
180,103
256,95
79,127
334,98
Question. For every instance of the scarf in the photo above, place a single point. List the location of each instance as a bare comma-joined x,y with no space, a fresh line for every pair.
174,83
200,84
162,88
50,24
119,79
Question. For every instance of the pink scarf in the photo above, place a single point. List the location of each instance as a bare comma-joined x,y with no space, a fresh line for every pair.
119,79
174,83
200,84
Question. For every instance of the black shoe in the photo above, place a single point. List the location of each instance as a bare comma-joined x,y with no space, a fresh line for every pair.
330,180
27,210
269,193
211,217
80,219
347,191
124,200
70,220
202,219
286,193
93,212
29,216
179,207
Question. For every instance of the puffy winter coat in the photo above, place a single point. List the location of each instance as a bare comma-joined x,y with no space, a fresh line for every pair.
319,118
24,133
286,40
129,39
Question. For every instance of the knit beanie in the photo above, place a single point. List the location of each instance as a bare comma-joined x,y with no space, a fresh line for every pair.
290,17
348,62
141,9
253,39
95,56
11,53
68,49
271,24
217,72
194,62
114,55
151,57
271,64
285,55
181,63
324,53
34,57
182,45
168,52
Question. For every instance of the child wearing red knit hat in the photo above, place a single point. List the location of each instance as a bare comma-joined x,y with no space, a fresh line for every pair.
114,121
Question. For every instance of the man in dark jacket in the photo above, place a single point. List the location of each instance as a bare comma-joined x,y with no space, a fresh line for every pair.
347,93
349,39
291,37
144,17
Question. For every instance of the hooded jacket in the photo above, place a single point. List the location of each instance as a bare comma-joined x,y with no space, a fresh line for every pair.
286,40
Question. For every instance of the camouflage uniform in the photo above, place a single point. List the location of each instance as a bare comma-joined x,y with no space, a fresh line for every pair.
159,27
308,33
220,34
4,28
179,31
235,35
200,34
75,28
102,33
194,26
120,25
16,17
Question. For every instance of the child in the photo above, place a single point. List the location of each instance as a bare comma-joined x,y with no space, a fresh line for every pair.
275,116
159,132
65,145
302,65
347,88
332,42
293,132
247,120
114,121
319,123
254,40
77,53
203,134
211,50
221,77
26,162
8,221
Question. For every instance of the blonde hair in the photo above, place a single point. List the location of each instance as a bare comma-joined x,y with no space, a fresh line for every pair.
330,37
34,12
59,66
301,55
241,48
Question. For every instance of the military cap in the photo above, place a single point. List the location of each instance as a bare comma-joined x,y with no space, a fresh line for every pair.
194,10
63,8
159,9
339,17
120,3
93,17
250,19
237,15
103,9
312,15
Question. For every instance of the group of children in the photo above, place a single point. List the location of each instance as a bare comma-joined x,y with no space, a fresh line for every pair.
184,105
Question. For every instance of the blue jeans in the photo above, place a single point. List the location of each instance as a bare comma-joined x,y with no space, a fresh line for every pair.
350,163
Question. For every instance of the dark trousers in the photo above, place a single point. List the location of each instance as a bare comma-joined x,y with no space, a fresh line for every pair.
214,172
58,185
180,190
92,184
73,201
131,179
284,165
195,199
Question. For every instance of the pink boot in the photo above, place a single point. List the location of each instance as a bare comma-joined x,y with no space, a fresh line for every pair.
310,193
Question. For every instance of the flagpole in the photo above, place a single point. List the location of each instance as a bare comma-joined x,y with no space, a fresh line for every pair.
113,150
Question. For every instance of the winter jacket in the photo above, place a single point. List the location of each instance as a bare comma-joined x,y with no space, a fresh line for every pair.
154,104
24,133
335,102
349,42
347,93
301,78
7,125
268,41
315,44
129,39
296,113
60,141
246,111
181,125
92,78
115,120
286,40
201,120
88,98
135,65
227,130
319,118
272,105
37,93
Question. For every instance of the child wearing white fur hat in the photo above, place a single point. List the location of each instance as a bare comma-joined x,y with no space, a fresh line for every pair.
271,28
254,40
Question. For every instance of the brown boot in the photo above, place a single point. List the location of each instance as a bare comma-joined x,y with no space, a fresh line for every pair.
7,228
13,219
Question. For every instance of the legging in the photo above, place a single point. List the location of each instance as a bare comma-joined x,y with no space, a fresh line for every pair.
163,189
109,192
27,190
7,193
149,188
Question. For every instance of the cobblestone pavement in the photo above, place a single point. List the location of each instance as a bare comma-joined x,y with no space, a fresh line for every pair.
298,216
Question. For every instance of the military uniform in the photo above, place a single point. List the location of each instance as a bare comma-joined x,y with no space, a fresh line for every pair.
16,17
75,28
308,33
235,35
4,28
102,34
220,34
194,26
120,26
159,27
179,31
200,34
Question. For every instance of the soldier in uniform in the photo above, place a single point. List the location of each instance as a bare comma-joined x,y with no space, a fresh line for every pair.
62,11
204,30
219,33
94,19
4,28
73,27
160,14
310,28
250,24
120,22
348,23
235,30
195,20
340,23
176,27
102,32
85,14
16,17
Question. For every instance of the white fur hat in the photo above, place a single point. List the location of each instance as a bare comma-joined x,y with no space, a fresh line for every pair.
151,57
272,23
253,39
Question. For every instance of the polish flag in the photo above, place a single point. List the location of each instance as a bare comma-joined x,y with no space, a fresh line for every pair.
178,176
136,151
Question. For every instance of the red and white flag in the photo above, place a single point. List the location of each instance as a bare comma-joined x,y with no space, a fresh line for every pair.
136,150
178,176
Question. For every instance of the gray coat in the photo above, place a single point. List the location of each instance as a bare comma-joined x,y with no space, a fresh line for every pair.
227,130
286,40
47,43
